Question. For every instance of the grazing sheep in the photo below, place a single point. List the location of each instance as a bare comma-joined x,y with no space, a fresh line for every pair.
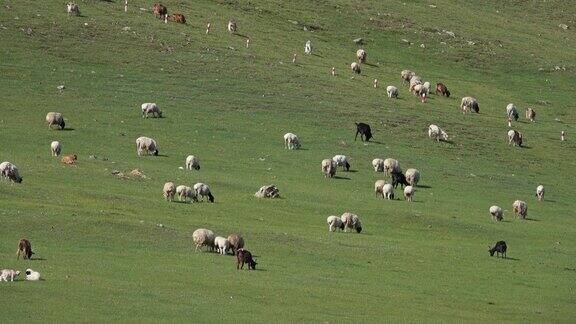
512,112
10,172
291,141
520,209
169,191
361,55
414,81
412,176
426,86
8,273
383,189
192,162
406,75
442,89
151,108
497,213
159,10
202,190
54,118
391,166
398,178
352,221
409,193
146,145
437,133
364,131
56,148
530,114
540,192
178,18
73,9
244,256
334,222
378,165
32,275
222,244
500,249
232,27
515,137
69,159
341,160
392,91
236,242
469,104
24,249
269,191
355,68
308,47
185,192
203,237
328,168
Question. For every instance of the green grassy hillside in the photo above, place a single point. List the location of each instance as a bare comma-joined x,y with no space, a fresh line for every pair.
97,237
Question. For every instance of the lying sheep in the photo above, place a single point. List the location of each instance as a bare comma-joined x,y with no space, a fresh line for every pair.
202,190
222,244
378,165
497,213
291,141
515,137
512,112
328,168
412,176
54,118
469,104
32,275
185,192
406,75
341,160
146,145
151,108
169,191
56,148
361,55
520,209
10,172
437,133
409,193
269,191
391,166
177,18
192,162
352,221
203,237
530,114
540,192
392,91
69,159
236,242
72,9
334,222
355,67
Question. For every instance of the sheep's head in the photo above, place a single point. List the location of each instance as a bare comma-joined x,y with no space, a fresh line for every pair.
368,136
447,93
359,228
197,167
155,153
62,124
341,226
160,114
444,136
491,250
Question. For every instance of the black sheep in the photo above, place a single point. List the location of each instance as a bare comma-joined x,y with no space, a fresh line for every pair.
499,249
364,131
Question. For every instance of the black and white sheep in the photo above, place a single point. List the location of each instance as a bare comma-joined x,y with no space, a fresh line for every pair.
512,112
540,192
291,141
352,221
192,162
342,161
515,137
361,56
55,118
437,133
10,171
202,190
334,222
469,104
355,67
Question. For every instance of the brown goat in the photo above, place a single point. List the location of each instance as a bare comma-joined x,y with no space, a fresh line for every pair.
24,249
159,10
177,17
244,256
69,159
442,89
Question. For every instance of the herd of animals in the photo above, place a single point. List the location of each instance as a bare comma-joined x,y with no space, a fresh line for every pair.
234,243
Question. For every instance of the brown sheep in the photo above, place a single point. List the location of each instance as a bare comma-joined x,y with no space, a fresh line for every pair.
244,256
236,242
24,249
69,159
177,17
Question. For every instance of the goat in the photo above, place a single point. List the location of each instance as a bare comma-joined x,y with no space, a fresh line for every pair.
499,248
244,256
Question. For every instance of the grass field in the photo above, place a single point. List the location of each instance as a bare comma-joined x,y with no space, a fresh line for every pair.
97,237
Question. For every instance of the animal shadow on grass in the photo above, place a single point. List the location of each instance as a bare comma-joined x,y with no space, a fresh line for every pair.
375,142
511,259
341,178
242,35
317,55
449,142
351,171
423,187
372,65
532,219
67,129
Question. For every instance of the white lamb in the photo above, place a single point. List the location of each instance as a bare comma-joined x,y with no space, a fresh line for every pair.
32,275
540,192
192,162
409,193
8,273
361,55
341,160
392,92
334,222
383,189
151,108
72,9
437,133
56,148
222,244
291,141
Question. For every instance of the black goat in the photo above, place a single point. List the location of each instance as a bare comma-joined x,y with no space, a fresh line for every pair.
399,179
364,131
499,248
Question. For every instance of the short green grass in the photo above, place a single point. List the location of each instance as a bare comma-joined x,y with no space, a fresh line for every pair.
105,258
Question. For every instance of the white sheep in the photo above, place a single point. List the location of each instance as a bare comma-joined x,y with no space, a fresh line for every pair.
10,172
72,9
222,244
308,47
437,133
409,193
342,161
269,191
520,209
169,191
334,222
328,168
378,165
512,112
406,75
530,114
55,118
468,104
383,189
515,137
497,213
32,275
291,141
361,55
540,192
414,81
412,176
56,148
391,166
202,190
185,192
392,91
203,237
146,145
192,162
355,67
151,108
232,26
352,221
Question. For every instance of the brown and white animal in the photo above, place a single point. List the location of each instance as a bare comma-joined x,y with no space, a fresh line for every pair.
361,56
334,222
469,104
406,75
169,191
328,168
514,137
520,209
146,145
24,249
232,26
530,114
69,159
244,256
8,273
540,192
73,9
442,89
351,221
159,10
177,17
355,67
56,148
10,171
268,191
409,193
236,242
55,118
